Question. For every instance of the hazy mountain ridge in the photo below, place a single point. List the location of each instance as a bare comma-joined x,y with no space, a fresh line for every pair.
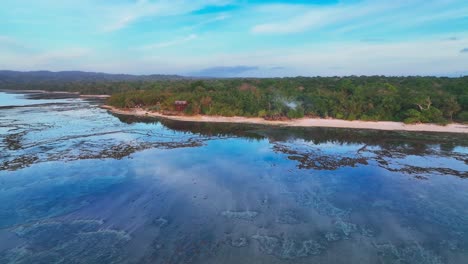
7,76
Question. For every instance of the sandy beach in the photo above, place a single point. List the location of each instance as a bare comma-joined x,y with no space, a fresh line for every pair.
303,122
95,96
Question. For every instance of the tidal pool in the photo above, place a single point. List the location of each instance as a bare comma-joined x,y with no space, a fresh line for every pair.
80,185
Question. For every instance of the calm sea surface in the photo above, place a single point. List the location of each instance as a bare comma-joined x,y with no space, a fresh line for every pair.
80,185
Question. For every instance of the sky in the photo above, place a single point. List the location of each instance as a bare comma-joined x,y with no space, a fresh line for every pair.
237,38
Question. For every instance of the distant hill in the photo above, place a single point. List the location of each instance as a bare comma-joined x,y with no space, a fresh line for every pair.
76,76
83,82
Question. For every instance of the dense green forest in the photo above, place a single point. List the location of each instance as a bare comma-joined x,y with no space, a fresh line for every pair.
408,99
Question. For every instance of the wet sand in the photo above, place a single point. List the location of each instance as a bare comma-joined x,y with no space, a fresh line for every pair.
303,122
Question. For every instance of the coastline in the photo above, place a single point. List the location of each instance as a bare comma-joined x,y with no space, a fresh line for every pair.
88,96
94,96
302,122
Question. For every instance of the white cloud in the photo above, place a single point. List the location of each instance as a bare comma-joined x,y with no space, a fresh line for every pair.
48,45
418,57
102,15
65,54
11,43
11,46
66,58
171,43
5,40
320,16
123,15
352,16
207,21
437,55
119,23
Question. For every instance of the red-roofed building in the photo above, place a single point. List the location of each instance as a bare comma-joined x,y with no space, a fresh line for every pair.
180,105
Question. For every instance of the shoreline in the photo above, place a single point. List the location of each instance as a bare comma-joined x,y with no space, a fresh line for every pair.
302,122
88,96
95,96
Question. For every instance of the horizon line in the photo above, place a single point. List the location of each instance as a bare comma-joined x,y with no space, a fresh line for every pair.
462,75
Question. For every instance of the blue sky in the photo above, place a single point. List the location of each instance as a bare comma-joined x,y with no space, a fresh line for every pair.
237,38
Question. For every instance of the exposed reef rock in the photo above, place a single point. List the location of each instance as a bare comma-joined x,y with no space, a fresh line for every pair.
318,161
80,241
239,242
242,215
409,253
287,248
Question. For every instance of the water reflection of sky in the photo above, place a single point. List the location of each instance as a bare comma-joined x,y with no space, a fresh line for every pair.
172,196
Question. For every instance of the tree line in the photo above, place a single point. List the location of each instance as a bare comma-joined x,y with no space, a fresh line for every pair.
408,99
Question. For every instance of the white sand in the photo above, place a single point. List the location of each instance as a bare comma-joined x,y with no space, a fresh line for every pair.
303,122
97,96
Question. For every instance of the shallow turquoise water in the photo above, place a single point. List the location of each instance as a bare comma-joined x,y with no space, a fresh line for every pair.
79,185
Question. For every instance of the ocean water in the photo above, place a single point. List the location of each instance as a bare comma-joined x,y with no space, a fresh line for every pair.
80,185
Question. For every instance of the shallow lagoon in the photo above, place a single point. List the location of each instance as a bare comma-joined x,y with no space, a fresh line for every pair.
79,185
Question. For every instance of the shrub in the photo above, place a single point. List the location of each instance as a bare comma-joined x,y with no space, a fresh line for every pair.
262,113
463,117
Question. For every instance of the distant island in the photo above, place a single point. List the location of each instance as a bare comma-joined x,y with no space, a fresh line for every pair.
438,100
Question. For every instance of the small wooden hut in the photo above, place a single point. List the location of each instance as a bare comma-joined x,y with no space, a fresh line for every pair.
180,105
